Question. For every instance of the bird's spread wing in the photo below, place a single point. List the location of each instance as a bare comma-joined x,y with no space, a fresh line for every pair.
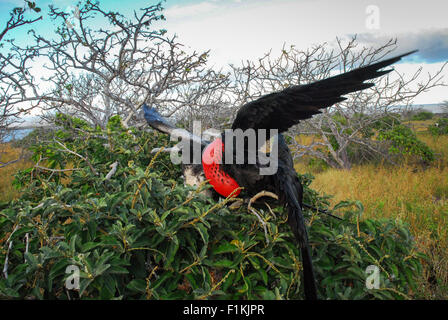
283,109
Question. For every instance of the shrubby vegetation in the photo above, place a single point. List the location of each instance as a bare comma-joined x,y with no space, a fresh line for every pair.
393,141
440,129
404,141
139,233
422,115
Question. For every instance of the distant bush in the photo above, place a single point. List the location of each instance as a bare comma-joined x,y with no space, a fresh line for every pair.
423,115
36,135
403,141
387,122
317,165
141,234
439,128
362,153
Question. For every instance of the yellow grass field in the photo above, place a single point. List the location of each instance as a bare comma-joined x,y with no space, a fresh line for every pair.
415,195
9,153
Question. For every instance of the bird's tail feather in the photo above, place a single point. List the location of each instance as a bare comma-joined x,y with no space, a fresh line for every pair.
297,224
296,221
308,274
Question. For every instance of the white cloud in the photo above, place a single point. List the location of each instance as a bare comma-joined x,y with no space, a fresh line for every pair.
190,11
434,95
432,44
236,31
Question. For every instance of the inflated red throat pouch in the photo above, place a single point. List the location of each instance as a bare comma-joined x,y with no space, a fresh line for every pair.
221,181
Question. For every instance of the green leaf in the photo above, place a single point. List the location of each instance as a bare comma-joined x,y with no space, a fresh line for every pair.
202,231
223,263
225,248
138,285
88,246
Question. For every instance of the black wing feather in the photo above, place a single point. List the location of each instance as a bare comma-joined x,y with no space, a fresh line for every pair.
286,108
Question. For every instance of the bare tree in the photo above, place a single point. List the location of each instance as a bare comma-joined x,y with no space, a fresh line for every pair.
101,63
18,19
343,125
104,64
12,65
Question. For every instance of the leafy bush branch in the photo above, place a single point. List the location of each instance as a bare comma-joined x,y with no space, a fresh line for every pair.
140,233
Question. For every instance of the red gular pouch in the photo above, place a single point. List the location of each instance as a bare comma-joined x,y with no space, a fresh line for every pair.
221,181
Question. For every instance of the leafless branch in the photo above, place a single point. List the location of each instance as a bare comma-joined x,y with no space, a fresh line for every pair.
342,126
114,167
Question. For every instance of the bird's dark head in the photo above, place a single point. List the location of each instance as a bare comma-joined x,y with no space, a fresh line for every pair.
152,115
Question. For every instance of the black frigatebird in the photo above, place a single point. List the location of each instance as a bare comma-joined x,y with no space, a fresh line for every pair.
278,110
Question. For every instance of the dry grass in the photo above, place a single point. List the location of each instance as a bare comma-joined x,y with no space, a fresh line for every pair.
8,153
420,125
416,195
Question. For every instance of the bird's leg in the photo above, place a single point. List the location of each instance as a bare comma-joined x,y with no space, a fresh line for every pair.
263,223
263,193
249,207
270,210
239,202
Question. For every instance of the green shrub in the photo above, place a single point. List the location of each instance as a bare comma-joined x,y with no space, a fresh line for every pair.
423,115
38,134
404,141
359,153
440,129
317,165
142,234
386,122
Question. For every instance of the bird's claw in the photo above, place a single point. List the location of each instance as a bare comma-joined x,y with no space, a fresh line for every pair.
249,207
263,193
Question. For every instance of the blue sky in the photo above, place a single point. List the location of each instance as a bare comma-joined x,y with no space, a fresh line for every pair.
47,25
236,30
